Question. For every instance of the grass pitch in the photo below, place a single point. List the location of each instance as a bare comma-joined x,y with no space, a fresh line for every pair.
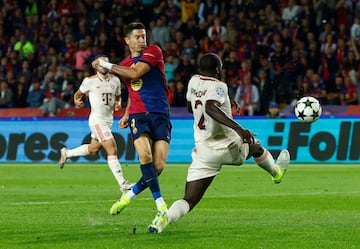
316,206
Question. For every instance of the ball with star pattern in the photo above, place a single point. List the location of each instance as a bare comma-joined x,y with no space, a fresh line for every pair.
308,109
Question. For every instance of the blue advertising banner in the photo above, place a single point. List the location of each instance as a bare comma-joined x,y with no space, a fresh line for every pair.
331,140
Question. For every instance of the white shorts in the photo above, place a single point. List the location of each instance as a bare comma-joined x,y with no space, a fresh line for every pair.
101,132
207,162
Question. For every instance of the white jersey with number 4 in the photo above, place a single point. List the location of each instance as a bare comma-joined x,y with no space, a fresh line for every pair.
102,98
207,131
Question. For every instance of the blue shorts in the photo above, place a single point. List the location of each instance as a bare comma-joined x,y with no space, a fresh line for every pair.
156,125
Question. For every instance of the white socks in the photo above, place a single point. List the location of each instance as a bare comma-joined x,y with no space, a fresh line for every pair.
266,161
82,150
177,210
160,204
115,168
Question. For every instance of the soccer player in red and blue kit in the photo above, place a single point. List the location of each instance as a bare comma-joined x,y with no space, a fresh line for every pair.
147,113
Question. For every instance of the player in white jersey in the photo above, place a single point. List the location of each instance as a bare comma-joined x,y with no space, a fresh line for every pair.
103,90
219,140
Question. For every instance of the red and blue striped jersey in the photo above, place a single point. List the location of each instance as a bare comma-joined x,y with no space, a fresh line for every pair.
149,93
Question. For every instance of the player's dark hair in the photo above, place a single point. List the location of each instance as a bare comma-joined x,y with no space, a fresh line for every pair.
210,65
101,55
131,26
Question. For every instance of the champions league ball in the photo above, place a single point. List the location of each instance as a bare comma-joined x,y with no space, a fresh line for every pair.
308,109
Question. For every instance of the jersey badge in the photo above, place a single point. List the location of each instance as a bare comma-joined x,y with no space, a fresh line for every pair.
136,84
220,92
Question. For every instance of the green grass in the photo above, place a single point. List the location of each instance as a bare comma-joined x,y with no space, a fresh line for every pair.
316,206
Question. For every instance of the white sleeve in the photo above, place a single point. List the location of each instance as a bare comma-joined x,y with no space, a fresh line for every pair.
85,86
118,87
218,92
188,92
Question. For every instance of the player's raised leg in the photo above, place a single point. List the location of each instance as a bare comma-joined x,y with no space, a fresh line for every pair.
82,150
194,191
265,160
282,163
63,157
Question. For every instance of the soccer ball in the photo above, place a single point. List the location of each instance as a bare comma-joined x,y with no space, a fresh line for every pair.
308,109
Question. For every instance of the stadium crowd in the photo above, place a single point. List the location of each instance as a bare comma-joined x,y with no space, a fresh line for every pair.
272,50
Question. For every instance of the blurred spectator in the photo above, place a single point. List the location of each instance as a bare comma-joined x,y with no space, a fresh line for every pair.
66,8
294,70
51,10
247,95
69,50
265,87
341,51
305,88
328,42
36,95
189,49
273,111
160,32
328,30
261,38
214,44
245,70
244,46
42,46
189,29
231,68
64,79
328,67
6,95
230,33
355,29
189,9
317,89
185,69
21,80
179,94
313,57
158,10
216,29
10,79
66,100
25,71
324,13
335,93
207,10
24,46
343,32
101,24
81,55
50,93
171,91
131,10
170,66
20,96
343,9
172,12
291,12
31,8
351,92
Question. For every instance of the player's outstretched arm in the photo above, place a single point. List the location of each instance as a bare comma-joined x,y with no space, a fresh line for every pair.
213,110
189,107
133,72
78,98
123,122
